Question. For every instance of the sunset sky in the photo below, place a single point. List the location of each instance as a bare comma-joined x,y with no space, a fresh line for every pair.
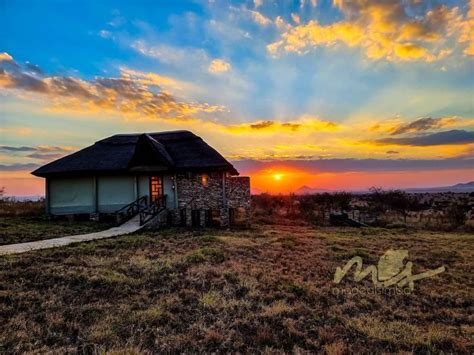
330,94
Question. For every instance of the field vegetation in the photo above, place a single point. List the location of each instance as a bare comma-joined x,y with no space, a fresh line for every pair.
25,221
267,289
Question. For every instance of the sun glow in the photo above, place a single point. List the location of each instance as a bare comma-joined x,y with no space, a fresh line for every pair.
277,177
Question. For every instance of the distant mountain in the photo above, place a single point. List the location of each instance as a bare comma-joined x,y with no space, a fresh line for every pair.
306,190
462,187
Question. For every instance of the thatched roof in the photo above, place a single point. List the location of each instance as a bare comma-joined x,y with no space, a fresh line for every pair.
164,151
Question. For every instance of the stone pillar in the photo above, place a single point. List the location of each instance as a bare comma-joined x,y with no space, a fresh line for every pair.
189,217
175,217
202,218
248,217
224,217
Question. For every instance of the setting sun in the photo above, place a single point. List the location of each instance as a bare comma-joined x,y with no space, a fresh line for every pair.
277,177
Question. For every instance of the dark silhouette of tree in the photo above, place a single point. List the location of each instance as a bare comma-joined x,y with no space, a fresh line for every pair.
395,200
456,214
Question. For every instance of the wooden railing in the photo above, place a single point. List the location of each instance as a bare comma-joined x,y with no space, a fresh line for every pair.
132,209
154,208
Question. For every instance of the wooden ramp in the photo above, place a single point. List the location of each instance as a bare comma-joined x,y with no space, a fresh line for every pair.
130,226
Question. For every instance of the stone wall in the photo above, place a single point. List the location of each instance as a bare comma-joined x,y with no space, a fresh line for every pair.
238,199
207,193
200,191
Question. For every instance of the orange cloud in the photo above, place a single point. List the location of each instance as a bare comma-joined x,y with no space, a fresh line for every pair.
467,31
383,30
132,94
218,66
154,79
305,124
395,127
5,56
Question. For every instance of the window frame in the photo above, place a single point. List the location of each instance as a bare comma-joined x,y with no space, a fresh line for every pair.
155,180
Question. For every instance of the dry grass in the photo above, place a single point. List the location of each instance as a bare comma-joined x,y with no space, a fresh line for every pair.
12,207
264,290
30,228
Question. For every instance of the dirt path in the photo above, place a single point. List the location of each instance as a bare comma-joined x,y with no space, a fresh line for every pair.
128,227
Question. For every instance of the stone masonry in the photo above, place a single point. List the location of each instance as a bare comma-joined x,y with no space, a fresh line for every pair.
212,198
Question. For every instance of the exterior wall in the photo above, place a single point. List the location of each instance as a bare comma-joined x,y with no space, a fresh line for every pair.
238,199
194,195
114,192
71,195
216,198
219,193
169,191
143,185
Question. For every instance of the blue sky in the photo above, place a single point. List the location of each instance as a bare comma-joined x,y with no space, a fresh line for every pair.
262,80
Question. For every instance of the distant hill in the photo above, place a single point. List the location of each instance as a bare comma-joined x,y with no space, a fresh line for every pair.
462,187
306,190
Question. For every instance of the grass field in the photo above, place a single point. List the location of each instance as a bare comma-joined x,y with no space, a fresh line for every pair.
20,229
268,289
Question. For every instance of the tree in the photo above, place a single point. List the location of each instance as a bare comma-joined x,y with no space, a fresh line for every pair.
342,200
395,200
456,214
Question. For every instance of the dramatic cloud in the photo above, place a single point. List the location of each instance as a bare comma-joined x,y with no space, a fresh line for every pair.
152,79
125,95
350,165
45,157
441,138
467,31
398,126
141,94
44,153
39,149
305,124
6,148
19,167
218,66
392,30
424,124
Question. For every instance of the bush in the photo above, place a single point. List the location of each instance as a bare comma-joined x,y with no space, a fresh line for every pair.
12,207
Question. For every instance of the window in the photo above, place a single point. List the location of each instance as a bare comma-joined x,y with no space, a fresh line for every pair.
156,187
204,179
